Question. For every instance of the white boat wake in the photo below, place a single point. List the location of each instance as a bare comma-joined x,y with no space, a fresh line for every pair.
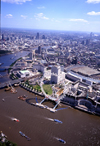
60,140
13,119
49,119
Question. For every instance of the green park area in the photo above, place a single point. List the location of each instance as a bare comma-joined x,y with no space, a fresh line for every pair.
37,87
47,89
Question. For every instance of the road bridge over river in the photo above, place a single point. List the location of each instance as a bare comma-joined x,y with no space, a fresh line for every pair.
14,67
10,82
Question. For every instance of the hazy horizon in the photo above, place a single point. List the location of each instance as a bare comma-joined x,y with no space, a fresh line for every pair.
70,15
33,29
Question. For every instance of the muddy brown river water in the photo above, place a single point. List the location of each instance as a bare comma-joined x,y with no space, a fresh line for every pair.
78,128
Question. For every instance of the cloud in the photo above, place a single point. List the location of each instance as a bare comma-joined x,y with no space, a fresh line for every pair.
93,13
42,7
9,15
78,20
93,1
15,1
40,16
52,19
23,16
57,21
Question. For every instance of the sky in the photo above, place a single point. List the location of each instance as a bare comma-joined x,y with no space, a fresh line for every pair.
69,15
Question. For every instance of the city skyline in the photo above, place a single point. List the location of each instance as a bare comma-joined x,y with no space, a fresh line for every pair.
71,15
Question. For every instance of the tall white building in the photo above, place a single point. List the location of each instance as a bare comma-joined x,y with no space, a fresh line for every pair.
57,75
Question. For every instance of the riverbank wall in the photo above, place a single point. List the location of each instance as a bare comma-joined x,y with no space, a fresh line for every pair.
95,110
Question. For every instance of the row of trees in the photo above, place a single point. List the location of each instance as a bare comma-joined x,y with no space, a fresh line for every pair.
35,87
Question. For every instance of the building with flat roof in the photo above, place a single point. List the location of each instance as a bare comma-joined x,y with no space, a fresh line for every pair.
38,66
57,75
82,78
85,70
24,73
21,64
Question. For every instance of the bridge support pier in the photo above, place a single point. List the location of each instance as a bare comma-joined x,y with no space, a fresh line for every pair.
42,100
56,104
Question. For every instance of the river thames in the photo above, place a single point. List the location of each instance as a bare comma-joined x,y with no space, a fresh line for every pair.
78,128
6,61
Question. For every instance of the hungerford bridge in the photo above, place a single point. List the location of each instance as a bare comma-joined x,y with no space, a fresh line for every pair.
51,97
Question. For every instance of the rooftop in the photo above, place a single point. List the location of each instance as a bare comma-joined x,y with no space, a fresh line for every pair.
24,71
85,70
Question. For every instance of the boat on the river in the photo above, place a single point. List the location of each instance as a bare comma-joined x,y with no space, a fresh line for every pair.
56,120
22,134
3,99
61,140
16,120
1,64
12,58
23,97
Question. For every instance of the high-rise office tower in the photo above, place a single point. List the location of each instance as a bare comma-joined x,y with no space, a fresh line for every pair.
3,37
37,37
91,34
87,42
39,49
43,37
31,55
